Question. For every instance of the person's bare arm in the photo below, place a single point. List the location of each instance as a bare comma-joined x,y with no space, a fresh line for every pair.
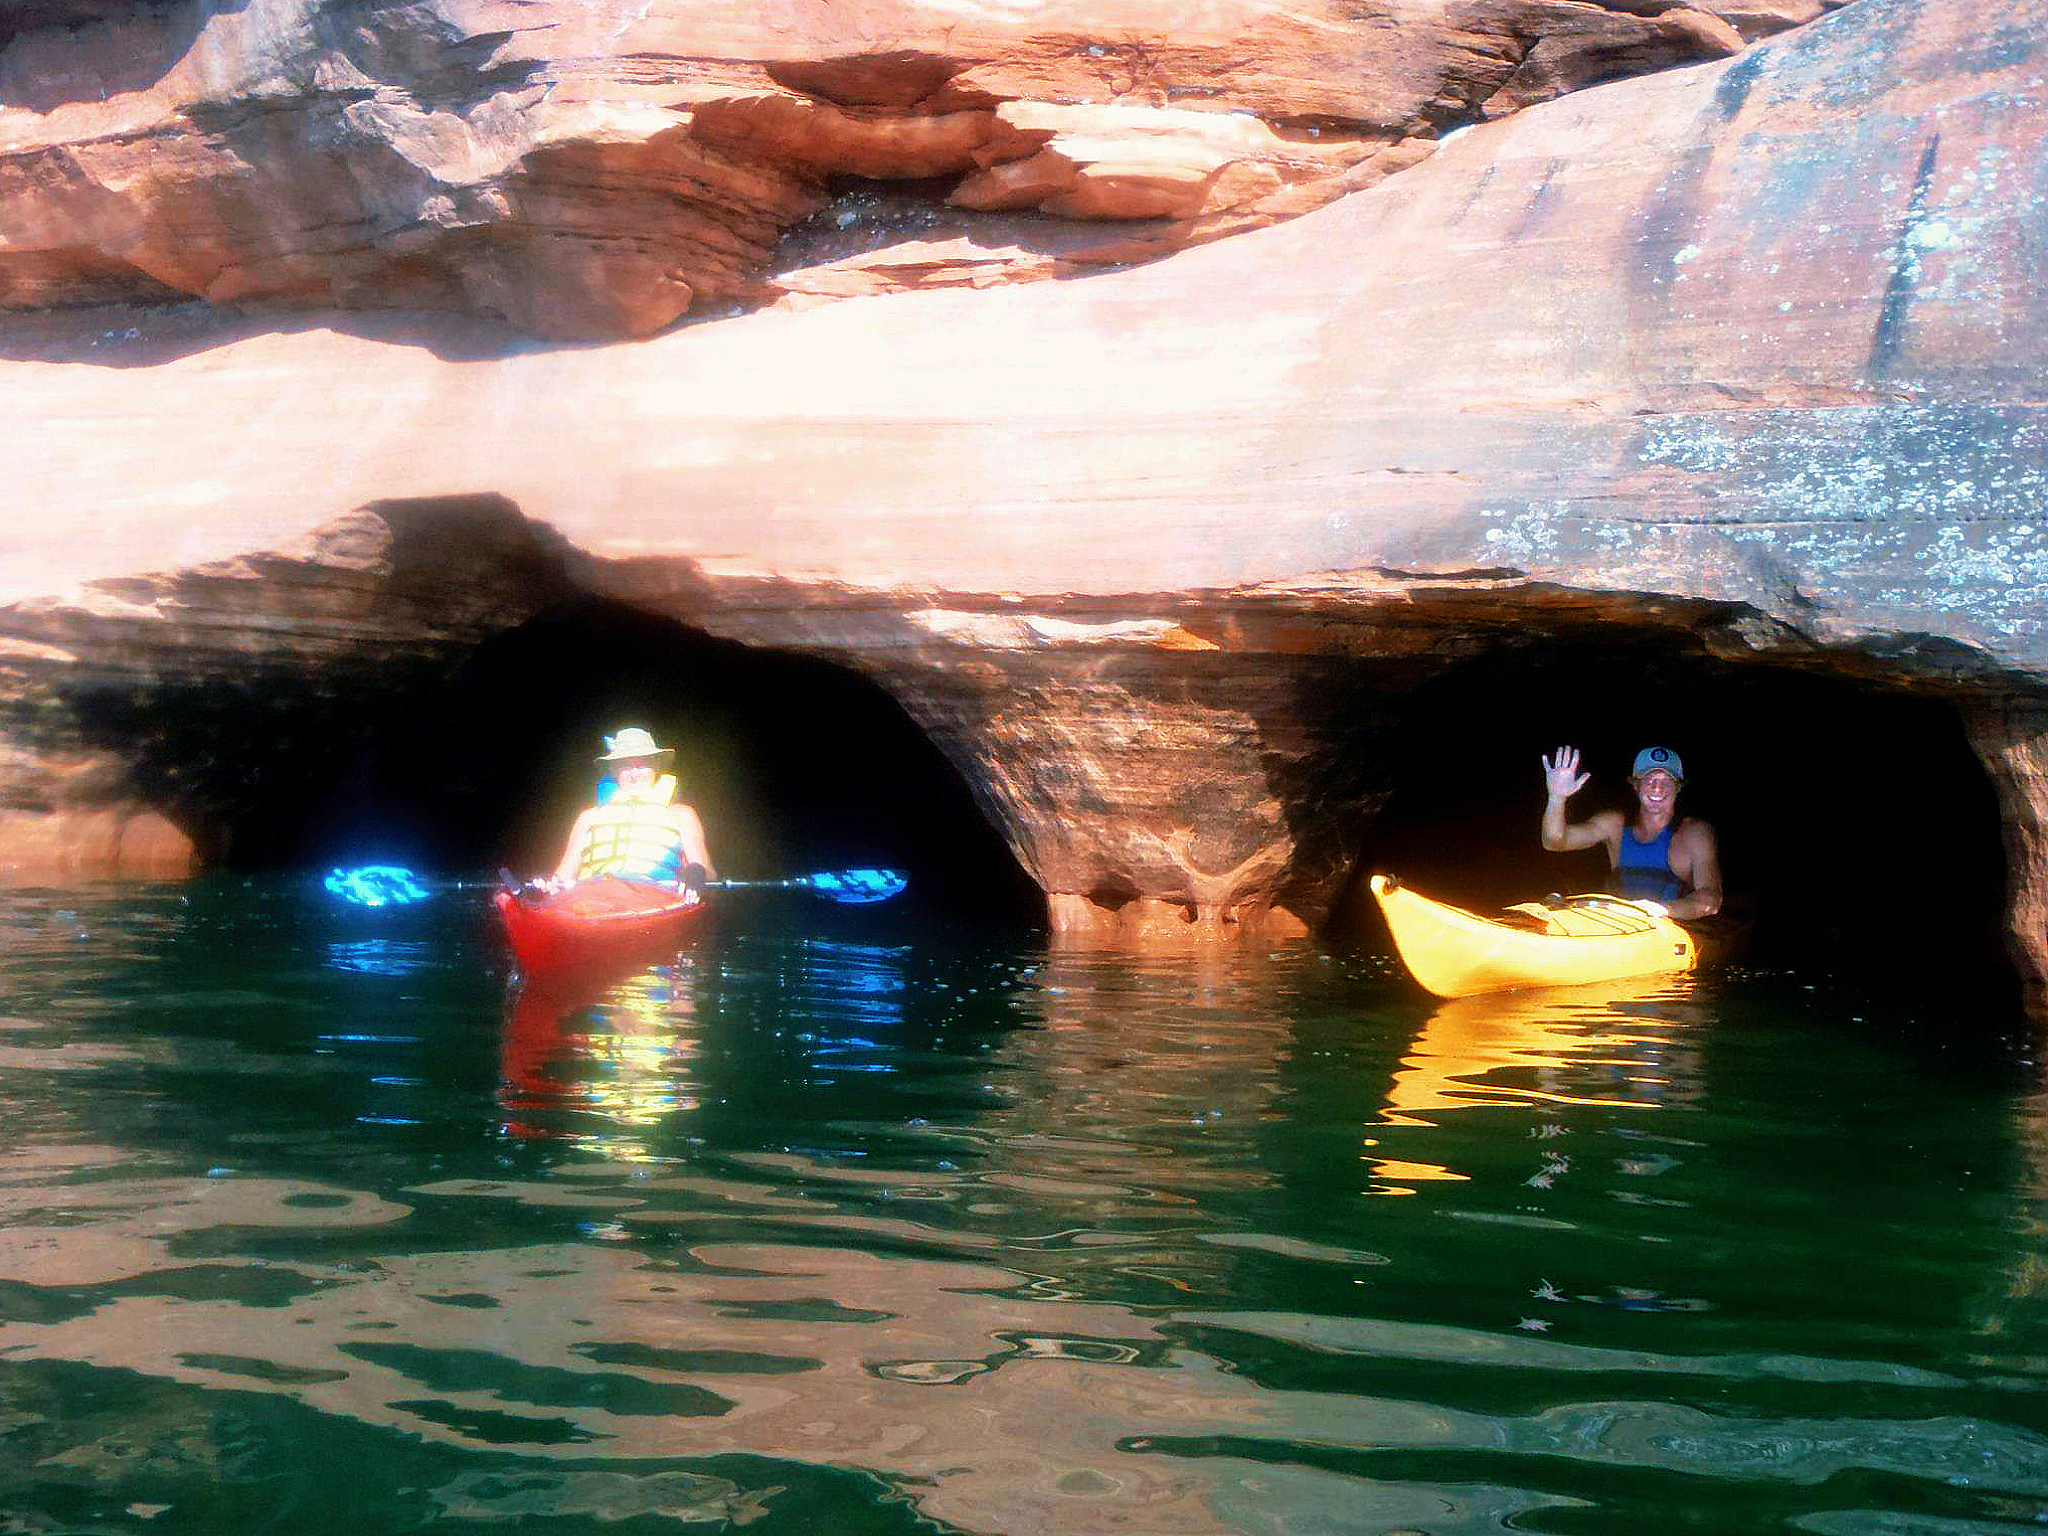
565,867
1696,859
690,832
1561,780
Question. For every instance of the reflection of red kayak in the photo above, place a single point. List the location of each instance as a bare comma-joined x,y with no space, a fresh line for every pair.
595,922
594,1040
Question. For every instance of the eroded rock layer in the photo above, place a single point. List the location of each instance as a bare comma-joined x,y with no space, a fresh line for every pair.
159,713
1742,362
598,170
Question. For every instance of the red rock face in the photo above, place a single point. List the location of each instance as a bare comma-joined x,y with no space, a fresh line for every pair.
598,170
1741,361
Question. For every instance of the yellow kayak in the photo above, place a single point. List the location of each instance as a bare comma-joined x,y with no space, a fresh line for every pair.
1576,939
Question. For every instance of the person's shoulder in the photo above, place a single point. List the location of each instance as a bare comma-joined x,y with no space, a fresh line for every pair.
1606,822
1694,827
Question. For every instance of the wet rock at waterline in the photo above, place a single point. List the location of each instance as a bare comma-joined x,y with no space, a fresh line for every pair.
1730,374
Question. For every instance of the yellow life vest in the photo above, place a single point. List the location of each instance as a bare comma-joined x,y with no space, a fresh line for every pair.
633,836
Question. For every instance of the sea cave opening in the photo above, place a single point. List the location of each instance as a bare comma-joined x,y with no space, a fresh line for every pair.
1858,832
795,764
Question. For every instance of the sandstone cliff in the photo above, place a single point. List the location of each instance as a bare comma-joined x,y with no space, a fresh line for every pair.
597,170
1726,380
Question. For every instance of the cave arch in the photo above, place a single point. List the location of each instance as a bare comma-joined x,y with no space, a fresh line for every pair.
795,763
1857,826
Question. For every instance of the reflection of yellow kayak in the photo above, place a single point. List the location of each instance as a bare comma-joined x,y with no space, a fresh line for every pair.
1616,1043
1455,953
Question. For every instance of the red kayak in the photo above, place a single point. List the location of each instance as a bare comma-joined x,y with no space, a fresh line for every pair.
595,922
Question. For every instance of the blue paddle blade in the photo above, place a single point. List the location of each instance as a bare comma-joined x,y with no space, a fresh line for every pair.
376,885
852,885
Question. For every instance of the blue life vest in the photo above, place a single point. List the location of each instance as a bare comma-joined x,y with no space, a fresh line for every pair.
1644,871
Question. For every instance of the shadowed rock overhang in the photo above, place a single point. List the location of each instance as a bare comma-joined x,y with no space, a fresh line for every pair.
598,170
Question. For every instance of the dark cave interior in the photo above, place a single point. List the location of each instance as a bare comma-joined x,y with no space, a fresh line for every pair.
795,764
1855,825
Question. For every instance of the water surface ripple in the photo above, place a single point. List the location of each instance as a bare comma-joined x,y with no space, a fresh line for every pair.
314,1221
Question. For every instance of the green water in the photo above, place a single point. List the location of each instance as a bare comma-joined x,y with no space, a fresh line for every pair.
841,1223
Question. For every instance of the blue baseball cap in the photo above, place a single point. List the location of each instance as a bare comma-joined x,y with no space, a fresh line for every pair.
1658,760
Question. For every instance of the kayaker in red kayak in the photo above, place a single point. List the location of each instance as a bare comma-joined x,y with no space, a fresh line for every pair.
638,831
1657,857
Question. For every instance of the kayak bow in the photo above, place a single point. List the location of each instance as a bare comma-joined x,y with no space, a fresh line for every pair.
594,921
1573,940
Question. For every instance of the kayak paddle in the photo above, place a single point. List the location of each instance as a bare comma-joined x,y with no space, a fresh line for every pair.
842,885
391,885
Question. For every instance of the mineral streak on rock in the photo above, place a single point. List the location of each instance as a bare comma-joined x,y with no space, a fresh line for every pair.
599,170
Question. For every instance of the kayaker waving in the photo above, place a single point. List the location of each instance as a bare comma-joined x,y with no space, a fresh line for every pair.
638,830
1656,857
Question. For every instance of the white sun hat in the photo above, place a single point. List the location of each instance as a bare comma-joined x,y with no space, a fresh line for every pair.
631,743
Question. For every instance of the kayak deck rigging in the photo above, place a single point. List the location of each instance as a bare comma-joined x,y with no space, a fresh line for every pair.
1560,943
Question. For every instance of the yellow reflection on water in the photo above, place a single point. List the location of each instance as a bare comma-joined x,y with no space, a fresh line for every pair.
1612,1045
621,1064
604,1063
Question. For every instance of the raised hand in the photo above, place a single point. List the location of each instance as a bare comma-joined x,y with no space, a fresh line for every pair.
1561,776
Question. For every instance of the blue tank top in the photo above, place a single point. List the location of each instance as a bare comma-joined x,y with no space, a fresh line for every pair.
1644,871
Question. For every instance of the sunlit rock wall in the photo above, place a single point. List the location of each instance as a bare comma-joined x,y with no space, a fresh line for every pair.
1749,353
599,169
